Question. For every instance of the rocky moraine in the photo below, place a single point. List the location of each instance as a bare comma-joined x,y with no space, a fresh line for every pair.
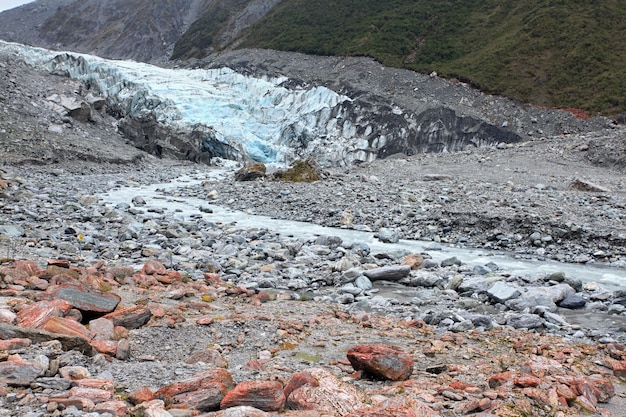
134,308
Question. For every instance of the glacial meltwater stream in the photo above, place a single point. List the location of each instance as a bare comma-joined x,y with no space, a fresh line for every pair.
159,196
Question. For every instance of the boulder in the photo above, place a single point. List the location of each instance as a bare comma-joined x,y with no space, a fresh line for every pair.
264,395
131,317
317,389
18,372
388,273
501,292
251,172
381,361
306,170
414,260
86,300
584,185
201,381
68,343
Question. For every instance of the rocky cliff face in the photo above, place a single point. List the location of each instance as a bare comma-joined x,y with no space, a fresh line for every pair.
118,29
121,29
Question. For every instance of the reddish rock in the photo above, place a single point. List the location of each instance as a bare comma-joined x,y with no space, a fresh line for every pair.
74,373
83,404
65,326
13,344
144,281
29,268
264,395
414,260
123,350
197,382
101,329
37,314
116,408
299,380
213,279
383,412
80,344
207,399
326,395
381,361
210,357
84,299
603,388
500,379
566,392
527,381
586,406
119,333
154,408
169,278
130,318
101,384
94,394
107,347
153,267
467,407
245,411
60,263
36,283
18,372
618,367
204,321
143,394
484,404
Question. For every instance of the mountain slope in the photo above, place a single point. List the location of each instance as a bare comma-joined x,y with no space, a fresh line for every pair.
551,53
123,29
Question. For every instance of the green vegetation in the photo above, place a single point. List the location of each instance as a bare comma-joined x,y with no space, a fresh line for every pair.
204,33
555,53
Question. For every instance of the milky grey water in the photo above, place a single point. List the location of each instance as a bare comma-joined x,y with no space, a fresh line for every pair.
158,196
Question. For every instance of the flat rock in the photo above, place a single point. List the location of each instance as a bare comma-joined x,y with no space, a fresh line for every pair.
318,389
588,186
17,372
131,317
501,292
84,299
203,380
68,343
388,273
61,325
573,302
37,314
264,395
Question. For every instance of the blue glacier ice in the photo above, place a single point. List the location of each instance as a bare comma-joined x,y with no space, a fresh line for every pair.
220,112
257,115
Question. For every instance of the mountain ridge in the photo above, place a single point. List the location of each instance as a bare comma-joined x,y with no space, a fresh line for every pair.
557,54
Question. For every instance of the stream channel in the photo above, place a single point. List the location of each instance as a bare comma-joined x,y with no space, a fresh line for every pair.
160,196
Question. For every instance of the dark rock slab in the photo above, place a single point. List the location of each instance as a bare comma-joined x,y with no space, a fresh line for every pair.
388,273
85,299
80,344
131,318
19,372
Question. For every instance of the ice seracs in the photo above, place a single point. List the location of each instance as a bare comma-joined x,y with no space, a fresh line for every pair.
202,113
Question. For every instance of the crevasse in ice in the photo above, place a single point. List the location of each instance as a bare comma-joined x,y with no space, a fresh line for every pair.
256,114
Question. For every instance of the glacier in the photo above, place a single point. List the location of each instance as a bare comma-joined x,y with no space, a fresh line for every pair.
222,113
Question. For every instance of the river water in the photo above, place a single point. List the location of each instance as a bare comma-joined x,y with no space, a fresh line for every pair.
160,196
